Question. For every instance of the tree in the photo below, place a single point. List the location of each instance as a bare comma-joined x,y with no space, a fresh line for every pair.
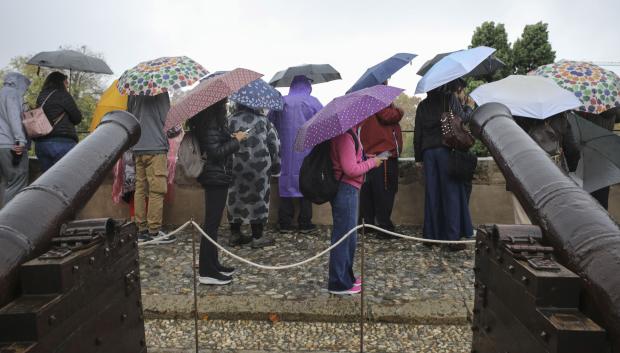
408,104
532,49
494,35
86,88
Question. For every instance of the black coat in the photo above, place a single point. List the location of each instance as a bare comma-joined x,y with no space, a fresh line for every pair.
60,101
219,146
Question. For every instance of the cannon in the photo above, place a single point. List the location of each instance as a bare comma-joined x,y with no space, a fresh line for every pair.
65,285
552,287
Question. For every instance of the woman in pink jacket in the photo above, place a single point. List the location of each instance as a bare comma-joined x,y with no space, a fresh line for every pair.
346,154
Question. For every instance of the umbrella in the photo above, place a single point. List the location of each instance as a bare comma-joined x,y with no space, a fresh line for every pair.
379,73
110,100
207,93
486,67
343,113
528,96
453,66
597,89
316,73
258,94
599,165
161,75
70,60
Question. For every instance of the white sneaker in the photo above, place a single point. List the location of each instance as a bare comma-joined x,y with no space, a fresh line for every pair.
215,281
163,238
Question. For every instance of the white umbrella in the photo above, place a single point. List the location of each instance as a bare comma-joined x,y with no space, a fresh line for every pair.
453,66
527,96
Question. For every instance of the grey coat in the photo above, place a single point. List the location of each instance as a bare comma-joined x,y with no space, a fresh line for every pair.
11,107
151,111
254,163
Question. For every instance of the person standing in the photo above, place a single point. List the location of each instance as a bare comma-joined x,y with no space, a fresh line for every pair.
256,161
446,211
13,141
299,107
349,168
151,165
381,133
215,140
63,114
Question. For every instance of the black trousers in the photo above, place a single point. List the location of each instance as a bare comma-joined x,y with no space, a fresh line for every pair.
215,200
286,212
257,229
378,193
602,196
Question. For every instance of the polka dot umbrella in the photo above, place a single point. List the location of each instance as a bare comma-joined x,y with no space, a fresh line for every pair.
161,75
597,89
343,113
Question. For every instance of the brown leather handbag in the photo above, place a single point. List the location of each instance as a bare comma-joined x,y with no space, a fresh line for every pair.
453,134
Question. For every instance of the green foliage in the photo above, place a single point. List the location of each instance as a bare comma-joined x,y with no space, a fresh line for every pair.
408,104
494,35
86,88
479,149
532,49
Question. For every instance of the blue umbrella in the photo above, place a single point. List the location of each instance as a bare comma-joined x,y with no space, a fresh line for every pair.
379,73
258,95
453,66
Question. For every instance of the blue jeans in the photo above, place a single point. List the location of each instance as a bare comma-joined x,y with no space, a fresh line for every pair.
50,151
344,214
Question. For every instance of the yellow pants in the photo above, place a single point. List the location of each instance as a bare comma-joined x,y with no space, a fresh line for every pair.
151,181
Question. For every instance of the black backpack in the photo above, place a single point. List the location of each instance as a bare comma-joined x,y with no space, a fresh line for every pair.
316,176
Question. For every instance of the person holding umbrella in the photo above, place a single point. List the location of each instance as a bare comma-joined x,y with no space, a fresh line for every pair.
299,107
63,114
256,161
336,125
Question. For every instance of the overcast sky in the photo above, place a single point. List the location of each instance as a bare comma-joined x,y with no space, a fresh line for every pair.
270,35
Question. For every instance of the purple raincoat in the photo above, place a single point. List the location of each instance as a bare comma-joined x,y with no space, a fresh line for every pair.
299,106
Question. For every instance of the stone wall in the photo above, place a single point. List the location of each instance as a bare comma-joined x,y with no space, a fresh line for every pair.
490,203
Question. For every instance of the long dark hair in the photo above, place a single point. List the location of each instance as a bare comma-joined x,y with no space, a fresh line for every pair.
212,117
55,80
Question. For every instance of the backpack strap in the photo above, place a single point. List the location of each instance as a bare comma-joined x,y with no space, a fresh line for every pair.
355,140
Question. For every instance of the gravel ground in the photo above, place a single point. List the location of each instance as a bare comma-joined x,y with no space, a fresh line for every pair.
396,271
264,336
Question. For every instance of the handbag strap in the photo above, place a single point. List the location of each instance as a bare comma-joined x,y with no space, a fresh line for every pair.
62,115
46,98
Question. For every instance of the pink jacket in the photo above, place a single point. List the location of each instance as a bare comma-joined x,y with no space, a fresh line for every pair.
345,159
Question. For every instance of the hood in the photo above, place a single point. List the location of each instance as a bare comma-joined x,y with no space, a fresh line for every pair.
17,81
300,86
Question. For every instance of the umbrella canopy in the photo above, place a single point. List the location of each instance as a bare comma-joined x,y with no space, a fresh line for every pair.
597,89
599,165
486,67
528,96
343,113
258,95
207,93
70,60
379,73
316,73
153,77
453,66
110,100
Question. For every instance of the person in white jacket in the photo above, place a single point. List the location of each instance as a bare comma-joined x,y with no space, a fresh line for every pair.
13,141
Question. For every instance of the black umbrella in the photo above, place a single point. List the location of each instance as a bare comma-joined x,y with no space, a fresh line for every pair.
599,165
486,67
317,73
70,60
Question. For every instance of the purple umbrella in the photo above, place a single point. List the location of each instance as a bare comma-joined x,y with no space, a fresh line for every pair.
343,113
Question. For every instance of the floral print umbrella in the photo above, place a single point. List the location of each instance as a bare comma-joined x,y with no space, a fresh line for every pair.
258,95
207,93
597,89
161,75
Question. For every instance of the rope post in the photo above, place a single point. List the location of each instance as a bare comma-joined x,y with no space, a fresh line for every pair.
362,287
195,292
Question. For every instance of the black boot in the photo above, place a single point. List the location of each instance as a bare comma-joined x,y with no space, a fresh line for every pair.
236,237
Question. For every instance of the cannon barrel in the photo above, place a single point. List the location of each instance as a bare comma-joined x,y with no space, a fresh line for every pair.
35,215
585,237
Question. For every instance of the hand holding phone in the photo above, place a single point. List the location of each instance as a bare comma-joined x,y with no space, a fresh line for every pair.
384,155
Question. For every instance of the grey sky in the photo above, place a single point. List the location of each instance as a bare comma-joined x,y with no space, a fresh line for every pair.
271,35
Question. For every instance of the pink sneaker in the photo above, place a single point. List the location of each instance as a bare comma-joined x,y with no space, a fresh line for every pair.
353,290
358,282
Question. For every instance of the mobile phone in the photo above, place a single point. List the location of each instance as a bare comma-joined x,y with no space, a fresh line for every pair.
248,130
384,155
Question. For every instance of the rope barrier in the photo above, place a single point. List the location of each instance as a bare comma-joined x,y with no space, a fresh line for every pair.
301,263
